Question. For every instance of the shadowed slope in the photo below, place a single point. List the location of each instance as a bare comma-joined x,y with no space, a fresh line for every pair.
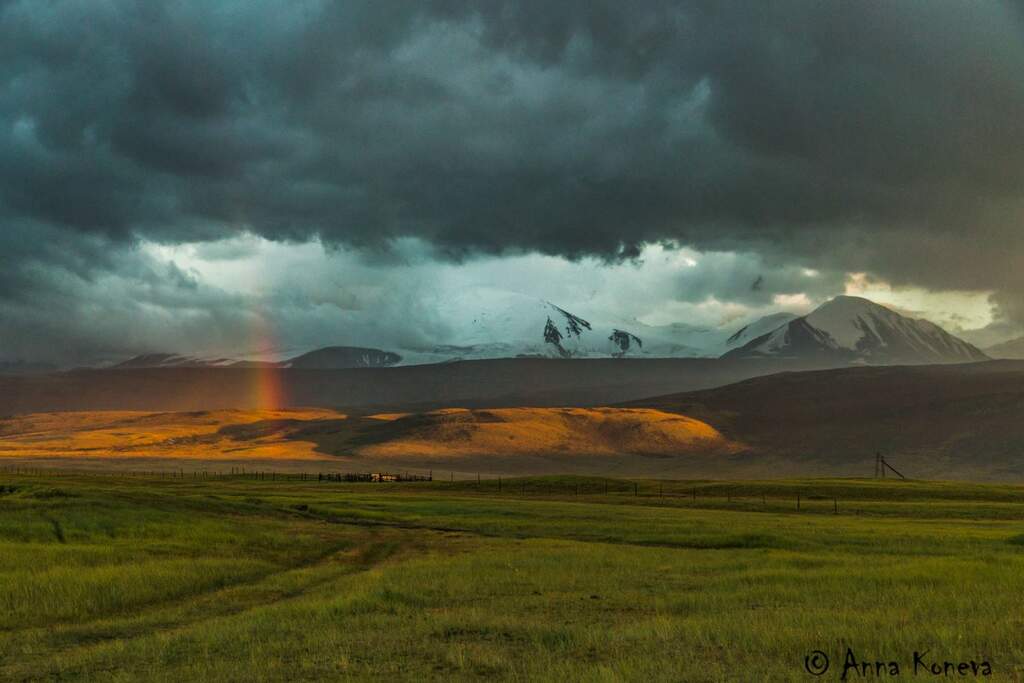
485,383
956,421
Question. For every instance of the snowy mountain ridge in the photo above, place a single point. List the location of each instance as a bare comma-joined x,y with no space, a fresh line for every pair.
857,330
488,325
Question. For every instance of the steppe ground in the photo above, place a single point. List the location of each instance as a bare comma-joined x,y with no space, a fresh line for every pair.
119,578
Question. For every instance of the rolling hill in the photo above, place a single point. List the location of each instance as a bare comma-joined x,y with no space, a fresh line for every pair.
931,421
1013,348
503,432
951,421
494,441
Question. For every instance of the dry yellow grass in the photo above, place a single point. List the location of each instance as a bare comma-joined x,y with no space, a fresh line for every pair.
188,435
530,431
315,434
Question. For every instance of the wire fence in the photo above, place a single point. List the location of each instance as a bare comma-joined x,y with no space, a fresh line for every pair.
669,491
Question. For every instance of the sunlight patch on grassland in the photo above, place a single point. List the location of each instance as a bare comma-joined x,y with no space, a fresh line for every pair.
322,434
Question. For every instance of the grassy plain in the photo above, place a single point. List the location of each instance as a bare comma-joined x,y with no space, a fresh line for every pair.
116,578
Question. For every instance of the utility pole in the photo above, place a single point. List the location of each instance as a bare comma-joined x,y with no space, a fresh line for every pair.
885,464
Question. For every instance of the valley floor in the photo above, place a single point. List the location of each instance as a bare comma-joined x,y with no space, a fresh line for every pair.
232,579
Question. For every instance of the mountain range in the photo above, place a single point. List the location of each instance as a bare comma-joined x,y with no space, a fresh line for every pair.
845,330
328,358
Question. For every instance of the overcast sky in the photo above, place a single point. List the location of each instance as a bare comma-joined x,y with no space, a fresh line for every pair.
218,176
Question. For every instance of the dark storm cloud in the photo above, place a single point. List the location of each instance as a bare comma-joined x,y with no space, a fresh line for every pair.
875,136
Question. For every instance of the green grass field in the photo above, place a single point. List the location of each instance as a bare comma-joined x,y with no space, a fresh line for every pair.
138,578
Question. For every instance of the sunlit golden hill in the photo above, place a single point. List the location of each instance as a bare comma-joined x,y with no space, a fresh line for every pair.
507,439
530,431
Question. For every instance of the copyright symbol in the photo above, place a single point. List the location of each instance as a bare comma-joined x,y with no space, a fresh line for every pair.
816,663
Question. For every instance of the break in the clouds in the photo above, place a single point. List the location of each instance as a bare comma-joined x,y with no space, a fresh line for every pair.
764,139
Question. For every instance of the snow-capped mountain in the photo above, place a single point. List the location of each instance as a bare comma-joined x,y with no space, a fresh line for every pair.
486,324
759,327
329,358
857,330
172,360
343,357
489,323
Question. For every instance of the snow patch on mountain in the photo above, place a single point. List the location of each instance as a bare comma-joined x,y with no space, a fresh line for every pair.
759,327
172,360
497,324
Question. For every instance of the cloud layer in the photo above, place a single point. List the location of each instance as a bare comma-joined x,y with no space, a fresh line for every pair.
849,137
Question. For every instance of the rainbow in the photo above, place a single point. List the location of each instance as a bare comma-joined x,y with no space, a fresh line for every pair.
268,388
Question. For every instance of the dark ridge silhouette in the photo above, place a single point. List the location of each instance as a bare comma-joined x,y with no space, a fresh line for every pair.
481,383
961,421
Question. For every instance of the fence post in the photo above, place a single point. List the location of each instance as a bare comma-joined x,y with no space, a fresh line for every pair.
835,506
798,501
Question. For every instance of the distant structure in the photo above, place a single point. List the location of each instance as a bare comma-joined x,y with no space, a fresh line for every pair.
881,465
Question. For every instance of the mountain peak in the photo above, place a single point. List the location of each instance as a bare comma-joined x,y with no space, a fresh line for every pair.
855,329
847,301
